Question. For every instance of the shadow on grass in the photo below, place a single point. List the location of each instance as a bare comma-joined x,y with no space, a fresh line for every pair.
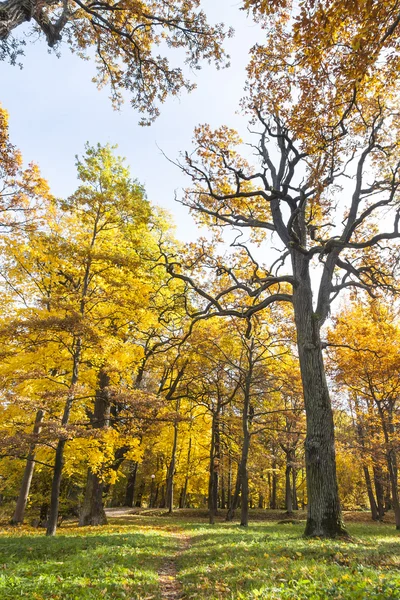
274,562
87,565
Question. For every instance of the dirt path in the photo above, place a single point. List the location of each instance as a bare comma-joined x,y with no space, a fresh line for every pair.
170,587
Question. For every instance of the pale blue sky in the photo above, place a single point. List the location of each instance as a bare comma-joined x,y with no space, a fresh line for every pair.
54,109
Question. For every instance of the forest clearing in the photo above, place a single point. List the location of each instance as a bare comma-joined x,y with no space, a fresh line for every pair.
151,555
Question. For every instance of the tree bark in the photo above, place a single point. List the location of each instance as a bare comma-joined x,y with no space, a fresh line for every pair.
182,501
244,476
59,458
324,518
294,484
372,502
172,467
288,486
273,499
379,492
92,512
391,459
130,486
214,465
235,498
19,512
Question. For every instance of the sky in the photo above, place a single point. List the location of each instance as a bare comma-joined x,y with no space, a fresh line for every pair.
54,108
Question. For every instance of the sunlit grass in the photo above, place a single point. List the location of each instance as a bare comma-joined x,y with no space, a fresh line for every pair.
223,561
92,563
274,561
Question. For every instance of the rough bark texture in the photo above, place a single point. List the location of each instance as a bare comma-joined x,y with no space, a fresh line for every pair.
92,512
14,13
19,512
324,518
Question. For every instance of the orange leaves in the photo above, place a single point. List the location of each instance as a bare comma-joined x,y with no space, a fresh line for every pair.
21,190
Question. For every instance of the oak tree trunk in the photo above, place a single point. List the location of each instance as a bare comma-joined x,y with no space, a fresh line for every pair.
324,518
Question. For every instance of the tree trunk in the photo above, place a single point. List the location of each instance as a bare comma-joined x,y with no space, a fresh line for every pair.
172,467
92,512
288,486
214,466
324,518
182,501
371,497
229,489
379,491
140,494
391,459
244,476
294,480
130,486
273,502
235,498
59,458
19,512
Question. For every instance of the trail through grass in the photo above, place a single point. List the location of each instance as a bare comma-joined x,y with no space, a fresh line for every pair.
127,559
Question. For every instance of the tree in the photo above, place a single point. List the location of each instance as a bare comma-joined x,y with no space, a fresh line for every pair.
23,191
292,195
124,38
370,329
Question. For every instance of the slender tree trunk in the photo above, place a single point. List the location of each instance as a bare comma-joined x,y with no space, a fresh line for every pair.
182,502
371,497
19,512
324,518
244,476
59,458
92,512
229,490
294,486
214,466
235,498
273,503
380,501
288,485
172,467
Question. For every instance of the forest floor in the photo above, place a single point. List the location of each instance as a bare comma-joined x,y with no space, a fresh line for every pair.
148,555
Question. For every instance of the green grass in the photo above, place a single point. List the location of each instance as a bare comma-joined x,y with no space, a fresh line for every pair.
272,561
111,562
267,560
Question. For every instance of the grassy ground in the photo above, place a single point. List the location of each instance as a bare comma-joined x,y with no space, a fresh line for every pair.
268,560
